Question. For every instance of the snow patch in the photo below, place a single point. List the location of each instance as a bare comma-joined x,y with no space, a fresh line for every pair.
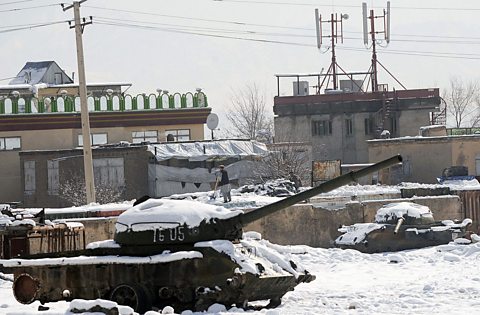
165,213
400,209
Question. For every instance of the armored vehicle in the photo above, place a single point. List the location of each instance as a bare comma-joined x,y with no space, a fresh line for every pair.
400,226
180,253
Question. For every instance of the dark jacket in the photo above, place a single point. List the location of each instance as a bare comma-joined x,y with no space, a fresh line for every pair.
224,180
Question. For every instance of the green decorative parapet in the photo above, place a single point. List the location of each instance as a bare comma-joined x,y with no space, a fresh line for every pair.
111,102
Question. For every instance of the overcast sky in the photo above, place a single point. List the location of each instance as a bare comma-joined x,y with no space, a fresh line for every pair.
164,54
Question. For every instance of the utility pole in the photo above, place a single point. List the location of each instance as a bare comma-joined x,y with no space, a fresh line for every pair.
82,89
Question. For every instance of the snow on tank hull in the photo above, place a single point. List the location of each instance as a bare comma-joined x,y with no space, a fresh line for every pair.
382,237
194,279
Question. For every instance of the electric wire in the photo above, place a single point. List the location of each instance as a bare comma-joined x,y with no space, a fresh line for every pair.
30,8
15,2
344,5
399,52
196,19
32,26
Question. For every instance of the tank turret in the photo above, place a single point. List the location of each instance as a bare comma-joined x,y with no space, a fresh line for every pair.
153,223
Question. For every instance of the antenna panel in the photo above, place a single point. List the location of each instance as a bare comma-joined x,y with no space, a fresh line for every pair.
365,23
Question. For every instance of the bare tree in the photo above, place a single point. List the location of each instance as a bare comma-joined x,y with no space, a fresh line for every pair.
462,100
288,158
248,115
72,189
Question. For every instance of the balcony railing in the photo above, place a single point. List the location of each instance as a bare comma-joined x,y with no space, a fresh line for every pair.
70,104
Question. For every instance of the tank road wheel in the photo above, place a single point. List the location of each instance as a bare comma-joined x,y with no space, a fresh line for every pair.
132,295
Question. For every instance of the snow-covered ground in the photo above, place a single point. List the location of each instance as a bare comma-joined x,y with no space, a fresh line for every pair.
441,280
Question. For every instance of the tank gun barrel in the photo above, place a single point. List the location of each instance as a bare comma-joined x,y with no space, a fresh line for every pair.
399,223
322,188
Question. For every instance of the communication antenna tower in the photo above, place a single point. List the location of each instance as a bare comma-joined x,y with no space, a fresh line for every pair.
335,34
385,17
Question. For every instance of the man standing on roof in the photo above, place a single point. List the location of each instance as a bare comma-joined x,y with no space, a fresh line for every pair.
224,184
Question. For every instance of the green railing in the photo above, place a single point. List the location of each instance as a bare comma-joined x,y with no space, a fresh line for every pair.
462,131
69,104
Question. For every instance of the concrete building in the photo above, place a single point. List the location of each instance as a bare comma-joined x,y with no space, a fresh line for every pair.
54,124
425,157
51,178
339,124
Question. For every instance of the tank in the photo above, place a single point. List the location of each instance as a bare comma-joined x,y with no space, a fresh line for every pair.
400,226
174,252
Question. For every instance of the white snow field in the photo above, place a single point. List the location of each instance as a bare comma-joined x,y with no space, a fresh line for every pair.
437,280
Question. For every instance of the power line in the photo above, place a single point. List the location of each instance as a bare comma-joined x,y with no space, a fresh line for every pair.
397,52
15,2
31,26
196,28
264,25
29,8
201,34
197,19
344,5
255,32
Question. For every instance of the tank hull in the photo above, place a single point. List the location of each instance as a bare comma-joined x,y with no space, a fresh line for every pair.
193,283
384,239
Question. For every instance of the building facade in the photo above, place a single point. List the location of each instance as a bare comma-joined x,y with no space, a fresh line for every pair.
54,178
425,158
339,125
54,124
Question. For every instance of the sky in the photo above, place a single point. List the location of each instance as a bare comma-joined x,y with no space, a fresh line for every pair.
157,43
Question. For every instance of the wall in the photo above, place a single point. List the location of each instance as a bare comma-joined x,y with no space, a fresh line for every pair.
71,162
425,158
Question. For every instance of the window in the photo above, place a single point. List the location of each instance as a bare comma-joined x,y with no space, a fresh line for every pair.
53,177
369,126
321,128
145,136
95,138
349,127
29,171
179,134
8,144
109,172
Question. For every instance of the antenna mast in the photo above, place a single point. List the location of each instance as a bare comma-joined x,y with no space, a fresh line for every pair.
334,35
372,32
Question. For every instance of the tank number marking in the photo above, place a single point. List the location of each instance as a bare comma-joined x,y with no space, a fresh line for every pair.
175,234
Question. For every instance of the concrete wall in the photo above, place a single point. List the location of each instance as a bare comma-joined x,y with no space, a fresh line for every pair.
425,158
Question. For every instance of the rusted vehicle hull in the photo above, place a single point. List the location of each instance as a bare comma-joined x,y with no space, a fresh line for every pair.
407,237
184,284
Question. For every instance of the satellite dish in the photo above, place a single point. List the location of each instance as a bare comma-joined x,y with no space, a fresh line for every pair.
212,121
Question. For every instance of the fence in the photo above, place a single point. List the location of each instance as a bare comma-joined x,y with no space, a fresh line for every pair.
69,104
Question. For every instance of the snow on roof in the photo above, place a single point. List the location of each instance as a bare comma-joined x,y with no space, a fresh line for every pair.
32,72
91,260
399,209
165,213
201,151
